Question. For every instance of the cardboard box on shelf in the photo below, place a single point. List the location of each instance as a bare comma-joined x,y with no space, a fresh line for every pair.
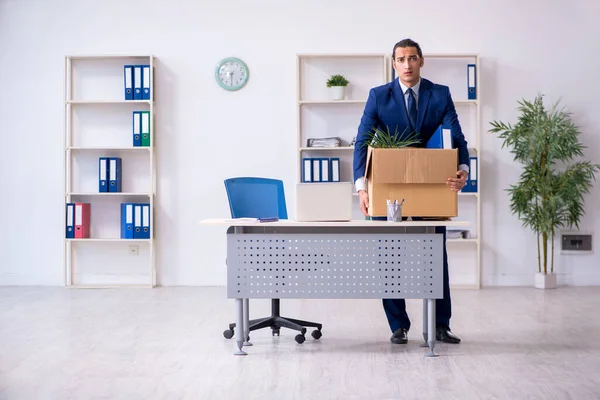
416,175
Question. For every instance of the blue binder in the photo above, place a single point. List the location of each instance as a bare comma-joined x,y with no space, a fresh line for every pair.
472,81
145,82
334,169
145,221
137,82
127,220
137,221
137,128
316,169
114,174
103,174
307,169
472,185
70,221
441,138
325,173
128,81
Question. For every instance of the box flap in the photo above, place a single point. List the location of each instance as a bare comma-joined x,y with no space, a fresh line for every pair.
369,159
412,165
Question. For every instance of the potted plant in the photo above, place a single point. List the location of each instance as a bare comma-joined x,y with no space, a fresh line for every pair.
378,138
338,84
549,193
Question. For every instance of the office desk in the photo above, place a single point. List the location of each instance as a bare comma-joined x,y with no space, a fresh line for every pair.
359,259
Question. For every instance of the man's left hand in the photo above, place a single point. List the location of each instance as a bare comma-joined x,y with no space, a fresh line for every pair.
459,182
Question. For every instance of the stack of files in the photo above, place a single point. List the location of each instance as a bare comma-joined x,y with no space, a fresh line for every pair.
78,220
136,82
141,128
320,169
135,220
472,185
109,174
325,142
458,234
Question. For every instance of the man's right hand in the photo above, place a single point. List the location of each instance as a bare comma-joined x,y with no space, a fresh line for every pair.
363,198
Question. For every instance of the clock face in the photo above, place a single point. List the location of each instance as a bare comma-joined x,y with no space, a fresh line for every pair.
231,73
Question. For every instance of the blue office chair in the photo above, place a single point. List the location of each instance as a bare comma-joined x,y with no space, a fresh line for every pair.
262,198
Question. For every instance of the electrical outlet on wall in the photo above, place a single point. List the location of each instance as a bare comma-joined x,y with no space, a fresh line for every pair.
134,250
576,242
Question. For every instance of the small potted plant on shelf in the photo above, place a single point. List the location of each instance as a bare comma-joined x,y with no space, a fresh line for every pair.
338,84
550,190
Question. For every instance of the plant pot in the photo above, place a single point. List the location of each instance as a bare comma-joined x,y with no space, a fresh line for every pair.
338,92
547,281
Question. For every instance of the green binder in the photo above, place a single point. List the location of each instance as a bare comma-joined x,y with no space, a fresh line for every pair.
145,128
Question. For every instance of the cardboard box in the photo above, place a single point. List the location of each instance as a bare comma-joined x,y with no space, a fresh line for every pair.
416,175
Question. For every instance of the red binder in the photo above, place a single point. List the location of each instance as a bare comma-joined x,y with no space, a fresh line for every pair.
82,220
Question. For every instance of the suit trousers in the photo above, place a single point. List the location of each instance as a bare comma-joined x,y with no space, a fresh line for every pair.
395,309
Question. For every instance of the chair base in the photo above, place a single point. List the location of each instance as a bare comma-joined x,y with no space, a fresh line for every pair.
276,322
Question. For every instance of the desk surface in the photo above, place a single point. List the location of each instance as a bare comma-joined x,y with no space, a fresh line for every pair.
353,223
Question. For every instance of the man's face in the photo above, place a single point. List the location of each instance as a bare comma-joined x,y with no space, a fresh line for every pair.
407,64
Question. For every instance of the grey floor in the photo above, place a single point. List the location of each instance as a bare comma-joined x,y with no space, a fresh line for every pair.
167,343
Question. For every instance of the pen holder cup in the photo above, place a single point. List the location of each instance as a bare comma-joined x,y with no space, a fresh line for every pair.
394,212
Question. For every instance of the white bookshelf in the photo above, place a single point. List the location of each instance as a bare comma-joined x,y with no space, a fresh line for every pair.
319,116
98,123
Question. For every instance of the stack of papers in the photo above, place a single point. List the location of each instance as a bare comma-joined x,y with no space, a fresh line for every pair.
458,234
325,142
242,220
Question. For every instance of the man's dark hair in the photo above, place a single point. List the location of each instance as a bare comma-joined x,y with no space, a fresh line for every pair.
407,43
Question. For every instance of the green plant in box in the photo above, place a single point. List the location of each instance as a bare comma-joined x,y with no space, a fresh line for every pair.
378,138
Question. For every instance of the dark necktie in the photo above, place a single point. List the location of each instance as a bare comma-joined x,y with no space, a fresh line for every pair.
412,109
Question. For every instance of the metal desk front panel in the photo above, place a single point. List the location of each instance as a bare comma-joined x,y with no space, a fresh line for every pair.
337,263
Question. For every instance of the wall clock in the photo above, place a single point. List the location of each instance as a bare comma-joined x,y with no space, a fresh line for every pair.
231,73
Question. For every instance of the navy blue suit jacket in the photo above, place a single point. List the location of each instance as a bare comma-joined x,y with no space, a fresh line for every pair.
386,109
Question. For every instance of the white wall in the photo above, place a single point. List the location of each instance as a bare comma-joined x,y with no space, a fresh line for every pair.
205,134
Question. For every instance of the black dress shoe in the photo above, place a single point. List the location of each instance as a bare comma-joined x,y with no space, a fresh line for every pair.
400,336
444,334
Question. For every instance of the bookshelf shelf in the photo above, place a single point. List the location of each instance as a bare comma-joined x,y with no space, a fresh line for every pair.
475,241
99,102
82,148
329,102
341,148
109,240
109,194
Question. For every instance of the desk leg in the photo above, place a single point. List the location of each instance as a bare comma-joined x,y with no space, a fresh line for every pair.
239,325
425,324
431,327
247,322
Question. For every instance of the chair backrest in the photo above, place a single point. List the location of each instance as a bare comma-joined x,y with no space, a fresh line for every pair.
251,197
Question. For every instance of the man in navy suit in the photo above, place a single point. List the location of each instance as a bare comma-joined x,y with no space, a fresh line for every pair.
412,104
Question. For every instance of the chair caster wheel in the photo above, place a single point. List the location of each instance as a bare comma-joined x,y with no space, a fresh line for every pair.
300,338
275,332
228,334
316,334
